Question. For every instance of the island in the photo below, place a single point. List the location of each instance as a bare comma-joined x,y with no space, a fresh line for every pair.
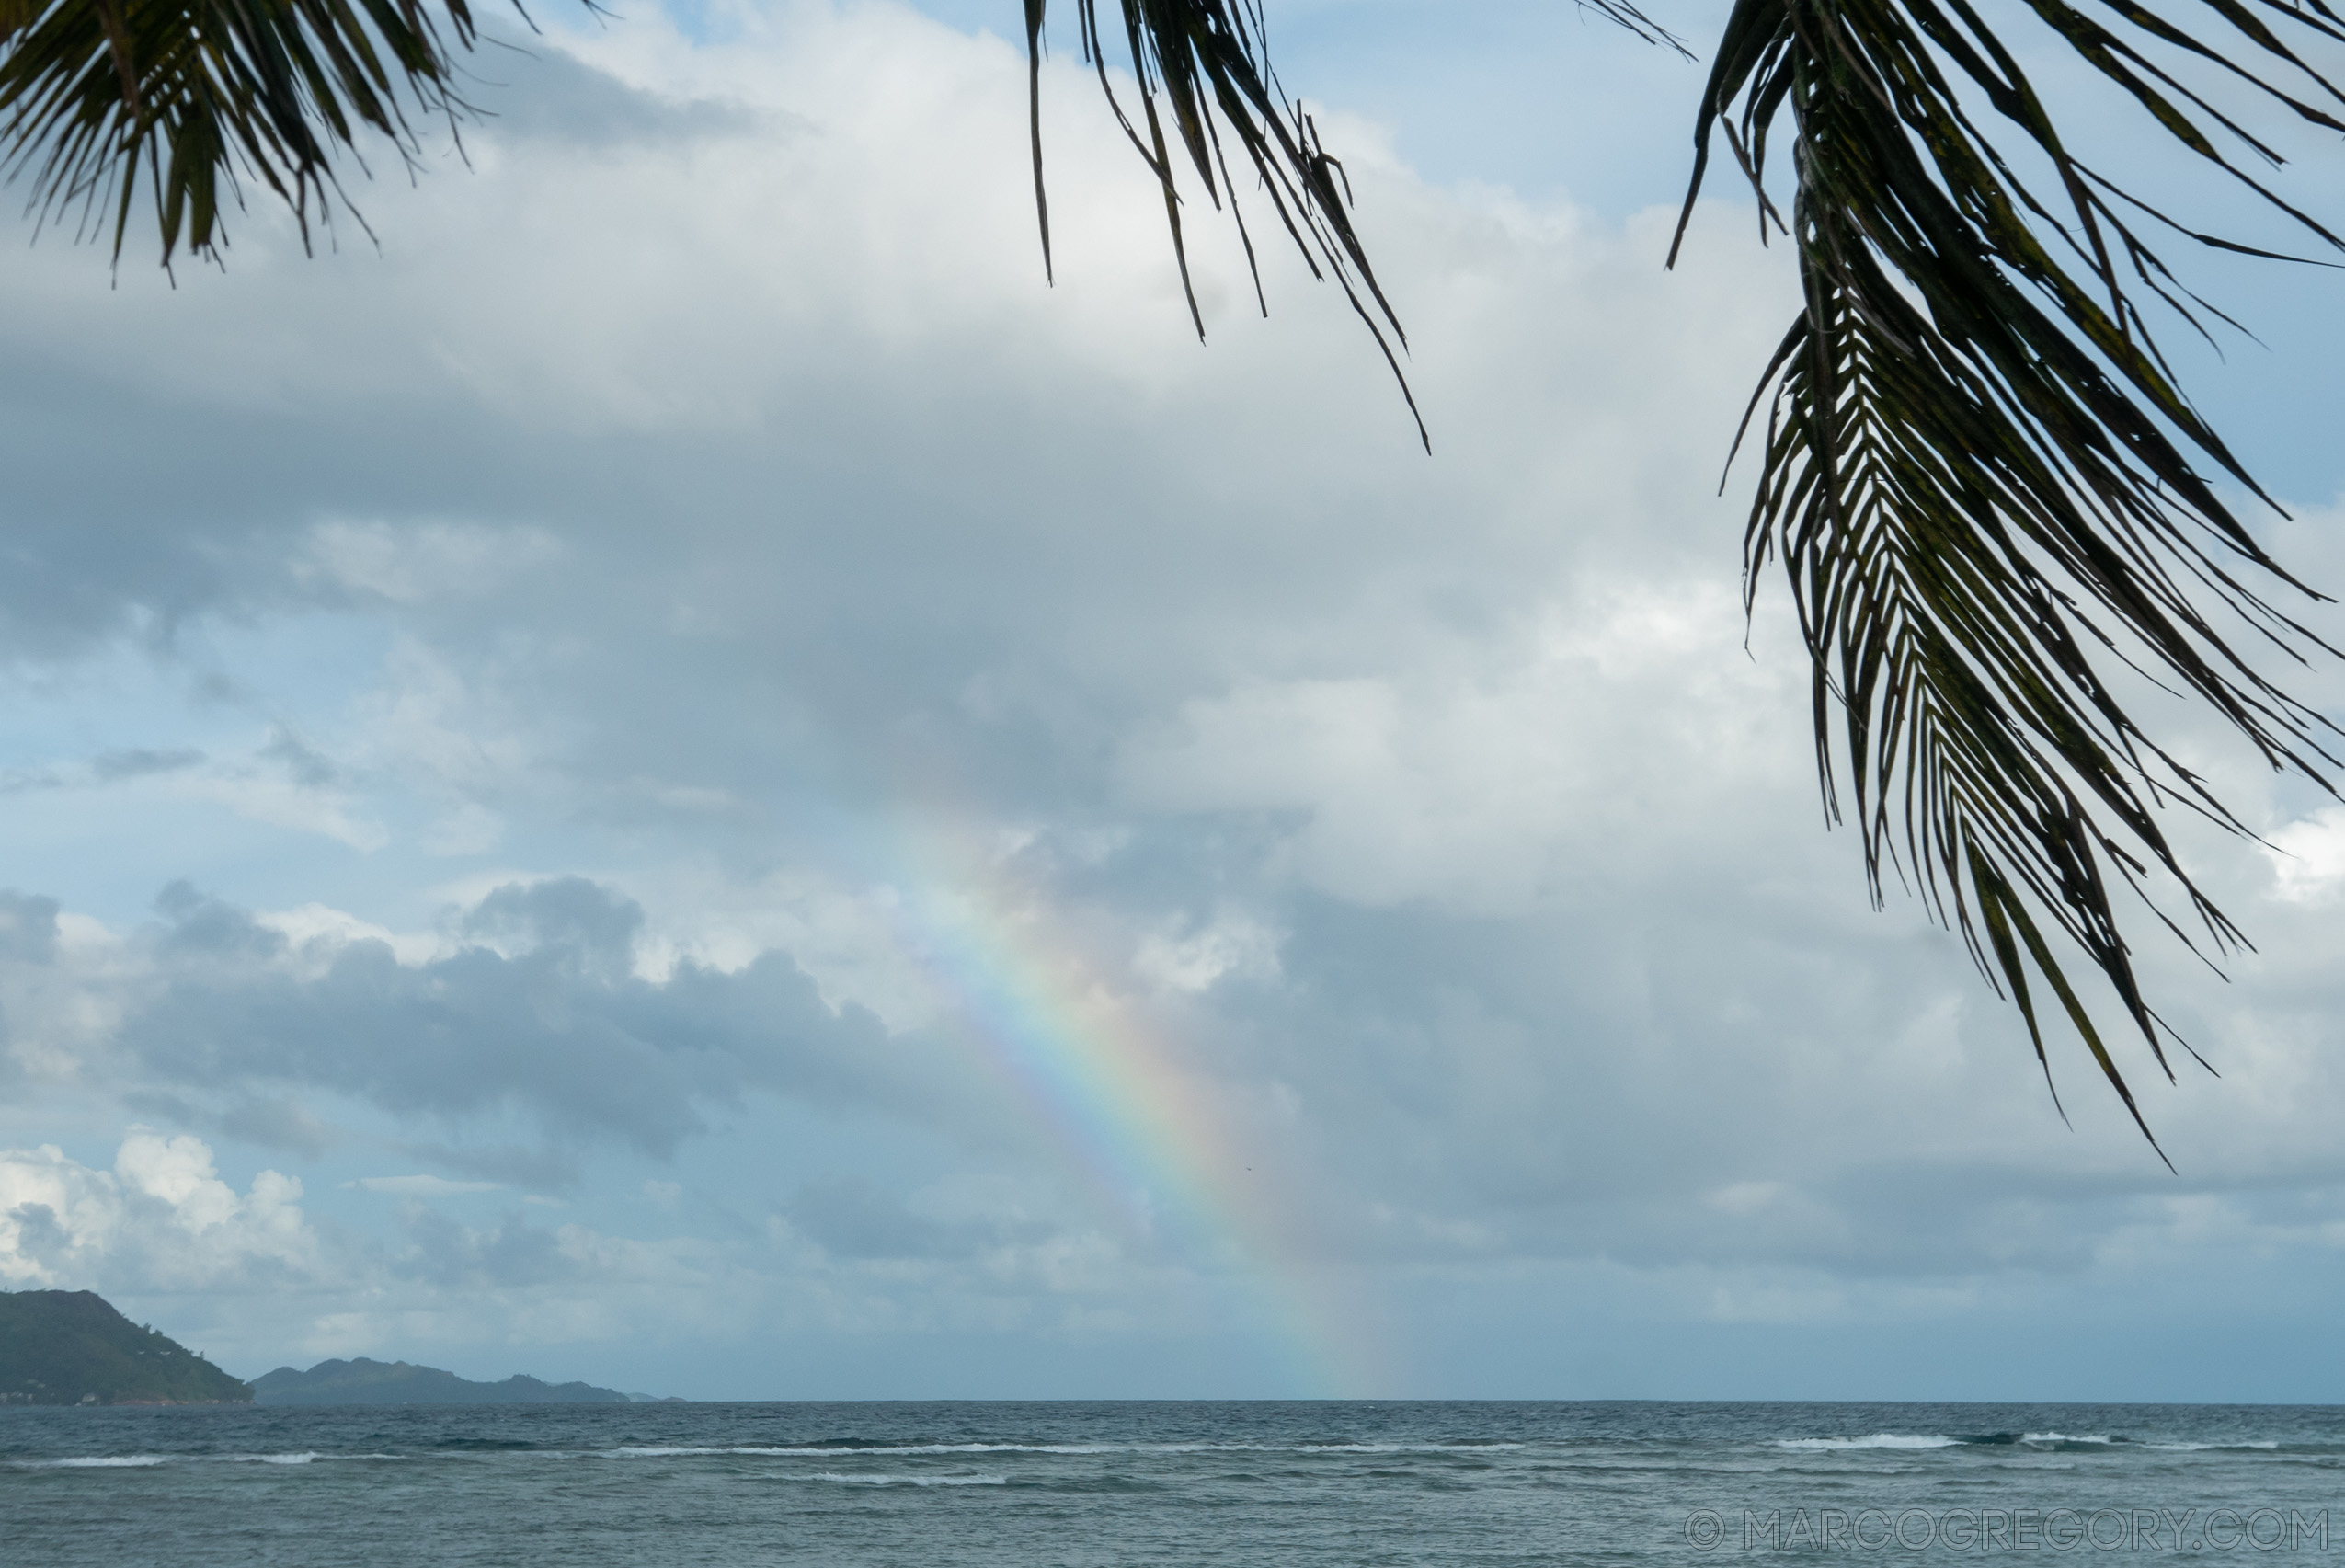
362,1381
73,1347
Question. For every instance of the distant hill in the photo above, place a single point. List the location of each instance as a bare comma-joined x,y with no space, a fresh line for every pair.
362,1381
70,1348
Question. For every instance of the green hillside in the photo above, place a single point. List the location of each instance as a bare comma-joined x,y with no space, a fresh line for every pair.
70,1348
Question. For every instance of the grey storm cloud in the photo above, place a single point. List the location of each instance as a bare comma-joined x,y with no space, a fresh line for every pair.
180,523
559,1030
593,591
568,915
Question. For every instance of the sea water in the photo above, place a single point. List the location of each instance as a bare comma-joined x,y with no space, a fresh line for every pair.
973,1485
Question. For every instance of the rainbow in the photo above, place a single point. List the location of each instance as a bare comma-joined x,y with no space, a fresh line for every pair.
1083,1059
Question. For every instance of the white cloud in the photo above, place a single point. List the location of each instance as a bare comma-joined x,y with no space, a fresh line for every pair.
317,931
1196,958
2308,856
1602,736
160,1220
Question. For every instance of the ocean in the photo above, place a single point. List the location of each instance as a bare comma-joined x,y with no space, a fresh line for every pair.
1260,1484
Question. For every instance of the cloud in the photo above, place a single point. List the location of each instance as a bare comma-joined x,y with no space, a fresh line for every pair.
277,1123
549,1021
160,1220
1555,758
2308,856
567,915
716,637
513,1255
1485,1118
108,766
853,1220
137,762
410,564
422,1185
559,98
1197,956
28,928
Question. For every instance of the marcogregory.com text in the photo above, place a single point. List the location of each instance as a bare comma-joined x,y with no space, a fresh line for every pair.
2009,1530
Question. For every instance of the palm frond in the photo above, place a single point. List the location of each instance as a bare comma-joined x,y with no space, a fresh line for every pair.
188,96
1205,65
1978,472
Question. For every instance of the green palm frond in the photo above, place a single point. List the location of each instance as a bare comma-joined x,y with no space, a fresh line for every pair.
188,96
1978,474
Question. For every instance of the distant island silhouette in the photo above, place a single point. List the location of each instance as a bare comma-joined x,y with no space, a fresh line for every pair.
362,1381
73,1347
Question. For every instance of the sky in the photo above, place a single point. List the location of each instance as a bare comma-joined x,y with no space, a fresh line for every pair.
674,772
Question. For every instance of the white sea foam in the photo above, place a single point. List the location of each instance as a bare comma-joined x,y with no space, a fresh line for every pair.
1878,1440
2057,1438
902,1480
266,1459
100,1461
898,1451
1376,1448
2201,1448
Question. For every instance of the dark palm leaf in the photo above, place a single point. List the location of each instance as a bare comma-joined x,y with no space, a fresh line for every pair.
1205,65
98,96
1976,471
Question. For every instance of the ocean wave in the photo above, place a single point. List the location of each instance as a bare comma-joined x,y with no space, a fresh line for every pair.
147,1461
914,1451
1878,1440
1382,1448
484,1446
98,1461
837,1479
2201,1448
2051,1440
647,1452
